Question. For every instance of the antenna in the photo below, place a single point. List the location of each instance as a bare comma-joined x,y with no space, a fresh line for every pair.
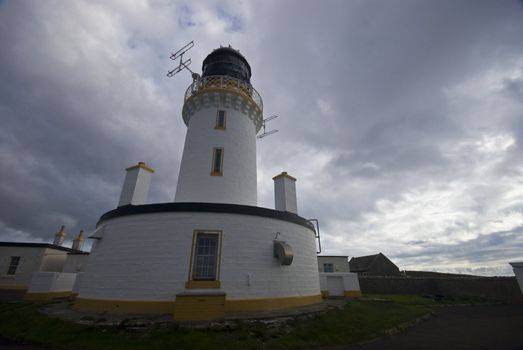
182,64
267,133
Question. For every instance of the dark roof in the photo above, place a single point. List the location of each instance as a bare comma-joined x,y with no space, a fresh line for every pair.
196,207
227,61
362,263
38,245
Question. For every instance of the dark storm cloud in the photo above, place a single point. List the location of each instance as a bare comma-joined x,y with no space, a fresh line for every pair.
390,112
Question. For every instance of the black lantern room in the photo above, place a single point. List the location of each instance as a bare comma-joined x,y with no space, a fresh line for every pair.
227,61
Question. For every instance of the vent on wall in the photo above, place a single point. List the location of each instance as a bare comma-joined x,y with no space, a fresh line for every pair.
283,252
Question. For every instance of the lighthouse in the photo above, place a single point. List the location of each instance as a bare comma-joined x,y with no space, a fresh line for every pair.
223,114
212,252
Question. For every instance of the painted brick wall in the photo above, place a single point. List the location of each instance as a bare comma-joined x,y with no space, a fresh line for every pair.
30,261
238,183
146,257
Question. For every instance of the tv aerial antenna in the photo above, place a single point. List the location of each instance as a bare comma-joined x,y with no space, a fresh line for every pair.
182,64
267,133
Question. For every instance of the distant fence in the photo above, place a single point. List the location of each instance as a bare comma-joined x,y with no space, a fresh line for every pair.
502,288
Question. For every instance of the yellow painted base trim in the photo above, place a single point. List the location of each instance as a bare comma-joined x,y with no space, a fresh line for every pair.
13,287
353,293
190,307
202,284
199,307
270,303
124,306
324,294
46,296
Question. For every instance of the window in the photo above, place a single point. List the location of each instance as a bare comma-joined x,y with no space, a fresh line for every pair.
205,256
217,162
13,265
220,120
328,268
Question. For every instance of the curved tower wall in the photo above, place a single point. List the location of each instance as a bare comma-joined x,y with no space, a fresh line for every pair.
237,184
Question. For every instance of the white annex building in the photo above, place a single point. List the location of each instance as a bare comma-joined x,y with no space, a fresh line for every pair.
213,250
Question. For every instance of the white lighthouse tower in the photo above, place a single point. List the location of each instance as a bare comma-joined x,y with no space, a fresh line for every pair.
223,114
212,252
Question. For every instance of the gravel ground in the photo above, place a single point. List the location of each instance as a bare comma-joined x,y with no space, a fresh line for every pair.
496,327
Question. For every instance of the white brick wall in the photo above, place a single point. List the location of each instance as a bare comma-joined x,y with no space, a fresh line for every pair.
285,194
135,188
75,262
146,257
238,183
30,261
45,282
350,280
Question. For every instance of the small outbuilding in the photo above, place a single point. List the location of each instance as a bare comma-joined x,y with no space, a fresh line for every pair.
20,262
333,263
373,265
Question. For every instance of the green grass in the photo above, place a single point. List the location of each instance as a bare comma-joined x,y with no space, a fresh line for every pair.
359,320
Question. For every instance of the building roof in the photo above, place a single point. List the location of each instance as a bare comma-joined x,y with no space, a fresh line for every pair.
39,245
362,263
196,207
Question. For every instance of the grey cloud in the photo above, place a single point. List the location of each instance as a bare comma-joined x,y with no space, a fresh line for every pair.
362,84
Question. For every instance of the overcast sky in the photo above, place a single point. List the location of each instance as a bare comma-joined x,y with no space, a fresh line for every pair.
401,119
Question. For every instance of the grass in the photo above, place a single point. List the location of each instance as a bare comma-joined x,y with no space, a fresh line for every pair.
359,320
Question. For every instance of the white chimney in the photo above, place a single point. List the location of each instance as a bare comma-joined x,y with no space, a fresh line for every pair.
136,185
285,193
78,242
59,236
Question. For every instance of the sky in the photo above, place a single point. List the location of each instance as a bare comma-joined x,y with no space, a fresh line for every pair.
401,119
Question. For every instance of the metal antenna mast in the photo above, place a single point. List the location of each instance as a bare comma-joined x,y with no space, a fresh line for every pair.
182,64
267,133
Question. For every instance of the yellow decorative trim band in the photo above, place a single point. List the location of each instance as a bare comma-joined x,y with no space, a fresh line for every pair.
140,165
270,303
12,286
324,294
284,174
216,174
124,306
46,296
202,284
352,293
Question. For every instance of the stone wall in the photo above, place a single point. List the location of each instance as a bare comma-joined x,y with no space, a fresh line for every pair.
502,288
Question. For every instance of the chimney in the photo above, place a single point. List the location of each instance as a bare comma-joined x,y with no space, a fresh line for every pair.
285,193
78,242
59,236
136,185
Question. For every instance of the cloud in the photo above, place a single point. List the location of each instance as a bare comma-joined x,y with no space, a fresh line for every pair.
403,121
